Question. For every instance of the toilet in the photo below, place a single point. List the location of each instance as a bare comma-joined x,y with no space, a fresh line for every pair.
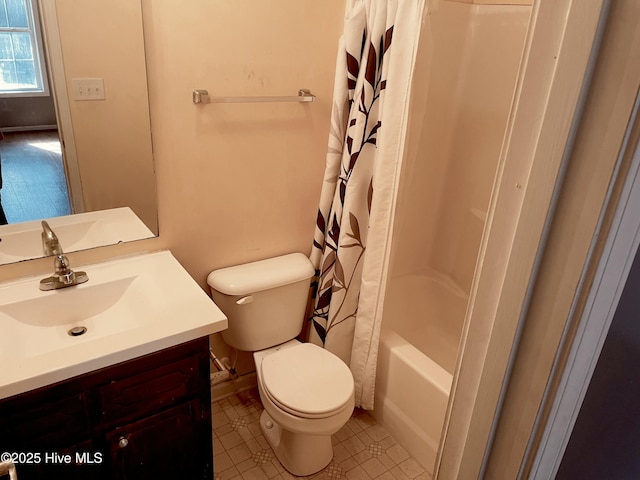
307,392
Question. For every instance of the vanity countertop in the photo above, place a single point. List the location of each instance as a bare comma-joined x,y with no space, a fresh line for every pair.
130,307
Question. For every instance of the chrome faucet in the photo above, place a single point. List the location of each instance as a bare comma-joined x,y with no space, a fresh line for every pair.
50,243
63,276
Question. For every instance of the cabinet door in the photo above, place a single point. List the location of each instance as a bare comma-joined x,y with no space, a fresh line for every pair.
175,443
38,422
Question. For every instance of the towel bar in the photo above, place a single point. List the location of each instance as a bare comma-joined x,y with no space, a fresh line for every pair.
202,96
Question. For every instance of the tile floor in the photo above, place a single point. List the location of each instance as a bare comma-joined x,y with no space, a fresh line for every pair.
363,450
33,179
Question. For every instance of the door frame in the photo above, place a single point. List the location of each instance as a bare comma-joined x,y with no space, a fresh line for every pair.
583,352
58,81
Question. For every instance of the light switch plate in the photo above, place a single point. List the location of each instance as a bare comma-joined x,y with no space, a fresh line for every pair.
88,88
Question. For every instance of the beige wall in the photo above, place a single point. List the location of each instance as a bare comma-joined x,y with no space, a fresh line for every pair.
111,136
235,182
495,2
239,182
465,76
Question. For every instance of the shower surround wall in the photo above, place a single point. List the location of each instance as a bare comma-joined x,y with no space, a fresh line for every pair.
465,74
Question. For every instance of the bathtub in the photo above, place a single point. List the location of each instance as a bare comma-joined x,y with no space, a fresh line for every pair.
423,317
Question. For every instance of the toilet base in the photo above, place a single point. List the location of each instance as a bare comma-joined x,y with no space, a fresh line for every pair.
300,454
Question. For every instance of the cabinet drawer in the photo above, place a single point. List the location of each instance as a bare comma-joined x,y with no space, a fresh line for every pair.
150,391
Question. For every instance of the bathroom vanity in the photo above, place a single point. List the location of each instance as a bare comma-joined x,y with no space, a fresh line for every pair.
108,379
148,417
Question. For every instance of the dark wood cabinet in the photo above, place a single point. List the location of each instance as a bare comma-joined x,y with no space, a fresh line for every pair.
159,446
149,417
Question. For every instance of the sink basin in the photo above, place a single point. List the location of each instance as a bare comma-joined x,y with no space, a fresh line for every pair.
128,308
75,232
41,324
73,305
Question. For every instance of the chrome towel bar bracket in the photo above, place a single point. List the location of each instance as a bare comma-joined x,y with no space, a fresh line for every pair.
202,97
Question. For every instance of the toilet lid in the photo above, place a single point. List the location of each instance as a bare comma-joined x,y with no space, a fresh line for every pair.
307,380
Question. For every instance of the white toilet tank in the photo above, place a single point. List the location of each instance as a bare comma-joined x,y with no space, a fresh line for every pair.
264,301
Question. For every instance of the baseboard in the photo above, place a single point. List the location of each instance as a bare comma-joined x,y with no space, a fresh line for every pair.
29,128
233,387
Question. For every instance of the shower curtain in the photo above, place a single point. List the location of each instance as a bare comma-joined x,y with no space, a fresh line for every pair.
354,222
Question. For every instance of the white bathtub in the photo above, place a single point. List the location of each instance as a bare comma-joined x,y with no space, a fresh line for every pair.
414,378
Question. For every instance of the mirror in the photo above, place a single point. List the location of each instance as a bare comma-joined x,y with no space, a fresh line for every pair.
106,143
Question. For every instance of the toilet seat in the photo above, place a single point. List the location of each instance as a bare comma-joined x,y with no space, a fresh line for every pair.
307,381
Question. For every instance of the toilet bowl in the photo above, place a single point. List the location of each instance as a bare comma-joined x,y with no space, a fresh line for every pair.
307,392
308,395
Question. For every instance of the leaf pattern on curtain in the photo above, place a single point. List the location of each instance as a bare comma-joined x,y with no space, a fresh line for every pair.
341,227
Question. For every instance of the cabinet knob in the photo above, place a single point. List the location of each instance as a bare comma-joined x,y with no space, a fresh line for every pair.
123,442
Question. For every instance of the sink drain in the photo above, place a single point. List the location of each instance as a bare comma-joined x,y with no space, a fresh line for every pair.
77,331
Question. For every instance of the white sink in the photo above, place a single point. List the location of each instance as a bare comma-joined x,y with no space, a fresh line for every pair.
129,307
22,241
